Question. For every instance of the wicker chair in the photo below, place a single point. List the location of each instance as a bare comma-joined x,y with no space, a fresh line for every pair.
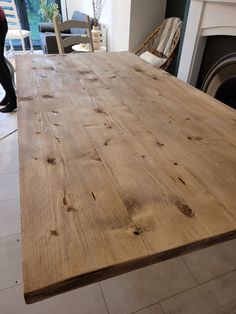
149,45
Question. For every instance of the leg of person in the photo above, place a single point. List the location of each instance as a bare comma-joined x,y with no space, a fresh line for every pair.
6,82
5,100
5,75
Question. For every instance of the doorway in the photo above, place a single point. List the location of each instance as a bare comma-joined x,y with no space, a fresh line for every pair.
28,12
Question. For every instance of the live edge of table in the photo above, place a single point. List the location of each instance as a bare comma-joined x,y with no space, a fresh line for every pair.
121,166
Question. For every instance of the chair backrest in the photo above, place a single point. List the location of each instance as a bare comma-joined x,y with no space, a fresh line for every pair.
62,43
166,34
163,41
11,14
78,16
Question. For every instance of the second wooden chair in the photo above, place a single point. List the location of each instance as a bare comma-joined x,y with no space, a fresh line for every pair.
62,43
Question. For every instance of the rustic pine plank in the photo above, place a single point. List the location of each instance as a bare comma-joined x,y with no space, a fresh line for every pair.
121,166
158,113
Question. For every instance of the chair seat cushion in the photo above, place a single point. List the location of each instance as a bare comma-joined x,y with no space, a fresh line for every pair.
16,34
151,58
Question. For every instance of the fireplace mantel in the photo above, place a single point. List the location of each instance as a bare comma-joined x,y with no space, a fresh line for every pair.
206,18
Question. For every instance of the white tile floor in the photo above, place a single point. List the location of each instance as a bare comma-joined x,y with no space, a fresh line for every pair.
200,282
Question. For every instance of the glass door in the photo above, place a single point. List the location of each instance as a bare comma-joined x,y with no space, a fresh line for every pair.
33,19
28,11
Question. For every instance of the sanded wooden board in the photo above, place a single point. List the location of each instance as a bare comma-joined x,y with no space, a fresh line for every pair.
121,166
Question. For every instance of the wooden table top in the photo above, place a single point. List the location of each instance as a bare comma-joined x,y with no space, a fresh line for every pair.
121,166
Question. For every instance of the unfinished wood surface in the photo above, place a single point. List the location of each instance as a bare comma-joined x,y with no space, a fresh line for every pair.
121,165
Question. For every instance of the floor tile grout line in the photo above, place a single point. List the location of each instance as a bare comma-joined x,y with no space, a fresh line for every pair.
6,136
216,277
176,294
199,285
190,271
15,285
147,307
8,199
11,199
103,297
10,235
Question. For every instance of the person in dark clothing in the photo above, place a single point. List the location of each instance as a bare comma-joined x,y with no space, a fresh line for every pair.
9,101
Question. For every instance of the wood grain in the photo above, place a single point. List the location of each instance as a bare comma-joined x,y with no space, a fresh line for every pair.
121,165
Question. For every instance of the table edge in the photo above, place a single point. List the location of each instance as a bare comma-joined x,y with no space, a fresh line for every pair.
112,271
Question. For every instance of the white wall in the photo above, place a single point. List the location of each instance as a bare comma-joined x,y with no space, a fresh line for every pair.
128,21
106,18
79,5
145,17
115,14
120,25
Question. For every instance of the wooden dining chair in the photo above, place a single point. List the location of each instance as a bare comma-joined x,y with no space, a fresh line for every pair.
69,41
14,27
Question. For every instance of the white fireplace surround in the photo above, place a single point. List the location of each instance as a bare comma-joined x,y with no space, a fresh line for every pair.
206,18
